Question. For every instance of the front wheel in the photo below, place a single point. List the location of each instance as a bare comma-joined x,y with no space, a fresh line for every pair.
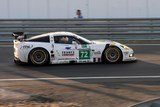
39,56
112,55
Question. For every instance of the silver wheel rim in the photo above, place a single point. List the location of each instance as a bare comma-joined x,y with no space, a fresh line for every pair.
38,57
112,54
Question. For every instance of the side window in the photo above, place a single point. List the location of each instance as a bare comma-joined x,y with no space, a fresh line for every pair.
68,40
63,39
40,39
79,41
56,39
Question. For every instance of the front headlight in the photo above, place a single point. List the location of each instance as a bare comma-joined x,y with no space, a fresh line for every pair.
131,55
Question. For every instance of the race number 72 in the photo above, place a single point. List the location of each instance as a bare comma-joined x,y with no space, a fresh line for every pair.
84,54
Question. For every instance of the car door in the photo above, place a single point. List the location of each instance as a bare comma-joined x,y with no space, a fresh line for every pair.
83,50
65,52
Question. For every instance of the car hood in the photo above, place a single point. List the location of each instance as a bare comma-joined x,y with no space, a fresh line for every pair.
102,41
109,42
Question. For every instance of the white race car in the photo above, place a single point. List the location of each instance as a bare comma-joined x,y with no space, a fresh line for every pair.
67,47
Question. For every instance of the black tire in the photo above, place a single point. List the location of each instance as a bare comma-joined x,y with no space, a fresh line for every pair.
39,56
112,55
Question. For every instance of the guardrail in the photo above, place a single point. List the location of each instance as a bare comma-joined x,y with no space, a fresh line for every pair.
136,29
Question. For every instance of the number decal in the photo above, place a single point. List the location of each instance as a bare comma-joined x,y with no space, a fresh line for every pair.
84,54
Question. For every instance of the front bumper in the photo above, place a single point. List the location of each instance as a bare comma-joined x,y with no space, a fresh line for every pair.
130,59
129,56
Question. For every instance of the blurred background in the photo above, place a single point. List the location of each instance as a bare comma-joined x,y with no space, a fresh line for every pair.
30,9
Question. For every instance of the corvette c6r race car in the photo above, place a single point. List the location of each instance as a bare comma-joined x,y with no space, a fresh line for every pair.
67,47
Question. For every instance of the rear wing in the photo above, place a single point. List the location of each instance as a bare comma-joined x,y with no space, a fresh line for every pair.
19,36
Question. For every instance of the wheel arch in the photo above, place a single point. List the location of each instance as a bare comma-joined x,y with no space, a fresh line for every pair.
35,49
107,46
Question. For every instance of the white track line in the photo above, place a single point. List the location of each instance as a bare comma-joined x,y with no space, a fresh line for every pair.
146,101
81,78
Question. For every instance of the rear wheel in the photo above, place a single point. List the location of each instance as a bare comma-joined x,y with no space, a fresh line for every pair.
112,55
39,56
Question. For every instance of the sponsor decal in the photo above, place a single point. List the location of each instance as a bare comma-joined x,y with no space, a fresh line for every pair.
62,61
97,52
84,46
68,53
26,46
66,59
96,59
58,53
84,54
84,61
67,48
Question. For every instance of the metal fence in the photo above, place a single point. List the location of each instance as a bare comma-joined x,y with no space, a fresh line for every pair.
133,29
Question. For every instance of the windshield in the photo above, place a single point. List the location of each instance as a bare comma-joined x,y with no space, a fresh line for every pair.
84,39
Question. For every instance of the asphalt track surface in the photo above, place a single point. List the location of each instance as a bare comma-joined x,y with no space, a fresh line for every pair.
148,64
114,83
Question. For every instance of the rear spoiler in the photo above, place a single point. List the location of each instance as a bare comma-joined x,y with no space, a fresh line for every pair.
19,36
